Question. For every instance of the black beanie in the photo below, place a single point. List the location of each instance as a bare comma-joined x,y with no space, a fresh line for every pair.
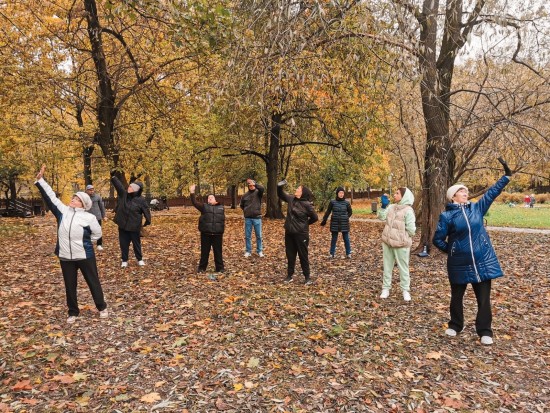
306,193
340,189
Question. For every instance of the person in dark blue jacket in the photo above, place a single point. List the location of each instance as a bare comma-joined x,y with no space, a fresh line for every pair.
471,258
341,211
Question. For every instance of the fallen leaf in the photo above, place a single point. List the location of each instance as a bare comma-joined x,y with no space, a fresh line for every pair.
150,398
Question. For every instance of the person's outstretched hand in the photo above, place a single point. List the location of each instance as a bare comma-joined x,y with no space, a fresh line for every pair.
507,170
192,188
40,174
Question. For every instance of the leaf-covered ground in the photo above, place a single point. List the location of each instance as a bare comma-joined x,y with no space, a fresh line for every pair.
178,341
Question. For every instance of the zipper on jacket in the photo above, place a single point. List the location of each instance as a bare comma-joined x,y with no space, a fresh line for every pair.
471,243
70,227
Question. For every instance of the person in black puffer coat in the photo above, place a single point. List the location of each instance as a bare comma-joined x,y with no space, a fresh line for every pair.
211,227
130,211
339,222
300,215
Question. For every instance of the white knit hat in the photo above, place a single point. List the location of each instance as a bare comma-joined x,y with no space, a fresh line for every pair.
135,187
86,200
453,190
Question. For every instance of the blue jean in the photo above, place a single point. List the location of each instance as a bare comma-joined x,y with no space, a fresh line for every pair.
347,244
255,223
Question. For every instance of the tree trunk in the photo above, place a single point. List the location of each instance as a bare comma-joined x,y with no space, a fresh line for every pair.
87,152
272,168
106,109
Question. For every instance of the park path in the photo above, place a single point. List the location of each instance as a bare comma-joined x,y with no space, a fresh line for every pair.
502,229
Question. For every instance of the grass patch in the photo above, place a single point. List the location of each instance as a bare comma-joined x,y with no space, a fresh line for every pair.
10,227
501,215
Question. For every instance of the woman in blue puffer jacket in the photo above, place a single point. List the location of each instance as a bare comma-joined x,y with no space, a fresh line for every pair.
471,258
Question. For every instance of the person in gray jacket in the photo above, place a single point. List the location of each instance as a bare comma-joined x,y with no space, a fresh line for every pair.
251,204
77,229
97,209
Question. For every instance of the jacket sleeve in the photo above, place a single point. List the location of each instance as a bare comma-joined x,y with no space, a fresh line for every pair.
487,199
350,210
260,189
382,213
328,211
283,195
146,213
197,204
102,207
241,204
441,232
57,207
118,185
410,222
313,218
95,228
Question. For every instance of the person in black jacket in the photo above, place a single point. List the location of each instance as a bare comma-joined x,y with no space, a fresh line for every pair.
300,215
339,222
211,227
130,210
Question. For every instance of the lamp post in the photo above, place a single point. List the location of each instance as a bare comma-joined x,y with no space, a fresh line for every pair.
390,176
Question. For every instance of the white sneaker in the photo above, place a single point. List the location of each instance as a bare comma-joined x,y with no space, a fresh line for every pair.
247,254
385,293
348,256
406,296
141,263
124,264
71,319
261,254
99,248
104,314
450,332
486,340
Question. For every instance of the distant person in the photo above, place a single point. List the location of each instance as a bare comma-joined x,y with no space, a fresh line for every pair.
97,209
300,215
131,209
77,229
251,204
471,258
211,227
341,211
526,201
532,201
397,239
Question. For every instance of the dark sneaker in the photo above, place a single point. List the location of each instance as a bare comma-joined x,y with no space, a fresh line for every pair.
200,271
288,279
309,281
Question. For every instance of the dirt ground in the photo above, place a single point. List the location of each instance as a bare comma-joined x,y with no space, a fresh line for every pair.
244,341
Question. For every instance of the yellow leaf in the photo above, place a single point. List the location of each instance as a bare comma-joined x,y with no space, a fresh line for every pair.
238,386
79,376
151,398
316,337
436,355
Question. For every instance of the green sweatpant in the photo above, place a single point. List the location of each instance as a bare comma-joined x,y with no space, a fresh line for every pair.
391,256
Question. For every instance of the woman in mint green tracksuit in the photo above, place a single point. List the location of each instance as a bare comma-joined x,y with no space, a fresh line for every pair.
397,240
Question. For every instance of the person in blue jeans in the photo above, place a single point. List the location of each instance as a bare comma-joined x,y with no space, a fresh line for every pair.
251,204
341,211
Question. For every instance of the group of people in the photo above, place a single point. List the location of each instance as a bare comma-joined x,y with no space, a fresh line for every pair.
460,234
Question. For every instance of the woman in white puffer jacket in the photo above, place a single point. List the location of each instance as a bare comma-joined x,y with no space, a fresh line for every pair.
76,230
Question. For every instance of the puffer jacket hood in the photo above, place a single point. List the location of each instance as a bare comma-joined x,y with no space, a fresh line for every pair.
408,198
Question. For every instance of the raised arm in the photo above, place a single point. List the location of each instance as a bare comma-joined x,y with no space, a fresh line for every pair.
260,189
281,193
118,185
57,207
196,204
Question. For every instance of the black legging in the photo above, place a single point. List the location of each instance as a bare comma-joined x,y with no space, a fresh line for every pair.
88,268
215,242
124,239
297,244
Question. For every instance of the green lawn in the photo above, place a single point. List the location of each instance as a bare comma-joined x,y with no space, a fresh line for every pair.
500,215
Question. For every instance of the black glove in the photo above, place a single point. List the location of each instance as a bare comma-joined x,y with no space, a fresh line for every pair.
507,170
146,223
282,183
323,223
